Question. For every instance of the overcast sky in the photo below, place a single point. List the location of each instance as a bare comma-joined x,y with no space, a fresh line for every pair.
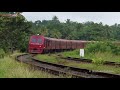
109,18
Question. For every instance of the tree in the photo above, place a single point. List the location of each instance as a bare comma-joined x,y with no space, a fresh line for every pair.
55,18
12,31
68,21
55,34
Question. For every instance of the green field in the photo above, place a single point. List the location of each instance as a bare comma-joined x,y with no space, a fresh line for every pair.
92,66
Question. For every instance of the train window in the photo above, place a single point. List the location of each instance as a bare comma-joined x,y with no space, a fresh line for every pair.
33,40
39,41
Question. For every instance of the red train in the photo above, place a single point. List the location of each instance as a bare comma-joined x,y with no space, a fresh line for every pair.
40,44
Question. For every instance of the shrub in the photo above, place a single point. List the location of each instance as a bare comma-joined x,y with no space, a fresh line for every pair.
95,47
98,61
98,58
102,47
116,50
2,53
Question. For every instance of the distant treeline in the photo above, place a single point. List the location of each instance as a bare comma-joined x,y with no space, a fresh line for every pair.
74,30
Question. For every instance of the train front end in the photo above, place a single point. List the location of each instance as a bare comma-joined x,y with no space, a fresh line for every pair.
36,44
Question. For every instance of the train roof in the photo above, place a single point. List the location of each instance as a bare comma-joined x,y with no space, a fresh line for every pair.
55,39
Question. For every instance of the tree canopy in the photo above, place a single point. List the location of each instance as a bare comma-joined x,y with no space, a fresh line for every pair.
74,30
13,32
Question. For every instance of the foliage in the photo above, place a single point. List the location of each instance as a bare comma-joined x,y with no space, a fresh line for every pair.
103,47
116,50
14,33
104,50
97,60
2,53
75,30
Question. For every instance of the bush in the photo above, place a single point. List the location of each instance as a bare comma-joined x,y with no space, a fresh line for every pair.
98,58
98,61
2,53
102,47
96,47
23,50
116,50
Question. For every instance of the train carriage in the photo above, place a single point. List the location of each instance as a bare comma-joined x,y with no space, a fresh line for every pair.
39,44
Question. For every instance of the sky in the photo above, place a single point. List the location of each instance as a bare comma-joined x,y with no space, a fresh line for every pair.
109,18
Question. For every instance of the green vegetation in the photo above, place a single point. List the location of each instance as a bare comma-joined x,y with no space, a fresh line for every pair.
2,53
9,68
92,66
74,53
74,30
51,59
103,47
99,52
14,32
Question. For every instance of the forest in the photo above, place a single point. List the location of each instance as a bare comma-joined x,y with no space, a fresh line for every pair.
15,31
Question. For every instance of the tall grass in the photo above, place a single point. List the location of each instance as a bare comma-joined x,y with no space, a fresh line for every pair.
9,68
102,57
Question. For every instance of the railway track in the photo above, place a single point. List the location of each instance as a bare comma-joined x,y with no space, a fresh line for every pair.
58,69
88,61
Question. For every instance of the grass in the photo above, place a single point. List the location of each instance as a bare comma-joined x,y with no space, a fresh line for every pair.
106,56
74,54
92,66
9,68
51,59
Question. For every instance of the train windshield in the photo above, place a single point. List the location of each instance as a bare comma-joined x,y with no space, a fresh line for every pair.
34,40
39,41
